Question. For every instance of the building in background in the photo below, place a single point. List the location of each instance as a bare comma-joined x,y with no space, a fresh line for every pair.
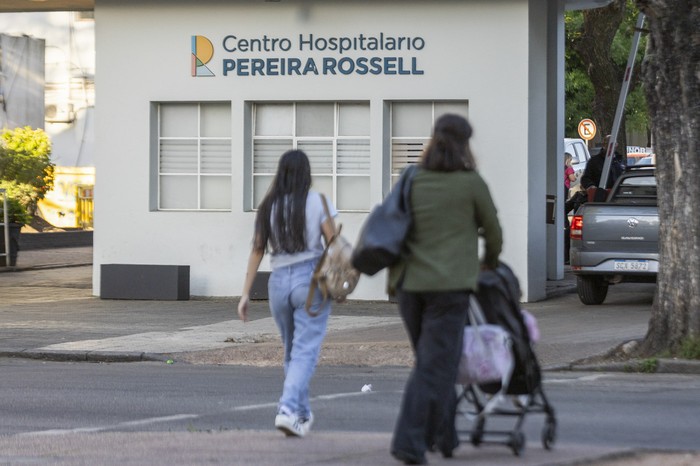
197,99
47,80
21,81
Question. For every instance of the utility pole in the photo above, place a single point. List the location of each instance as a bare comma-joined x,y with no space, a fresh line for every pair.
621,102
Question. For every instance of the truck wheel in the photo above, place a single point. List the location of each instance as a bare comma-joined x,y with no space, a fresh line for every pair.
591,290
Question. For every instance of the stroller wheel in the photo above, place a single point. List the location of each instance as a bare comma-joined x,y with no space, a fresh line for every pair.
478,433
517,443
476,439
549,435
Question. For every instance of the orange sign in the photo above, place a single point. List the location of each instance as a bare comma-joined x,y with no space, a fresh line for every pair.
586,129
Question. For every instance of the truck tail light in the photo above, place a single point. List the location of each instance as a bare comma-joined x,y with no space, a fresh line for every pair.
576,227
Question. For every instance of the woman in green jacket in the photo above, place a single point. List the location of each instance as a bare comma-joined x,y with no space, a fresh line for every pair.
451,207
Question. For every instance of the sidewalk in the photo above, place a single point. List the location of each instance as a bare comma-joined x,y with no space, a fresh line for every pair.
47,311
198,330
77,326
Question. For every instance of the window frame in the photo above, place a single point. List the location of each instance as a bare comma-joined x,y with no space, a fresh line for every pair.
200,173
334,174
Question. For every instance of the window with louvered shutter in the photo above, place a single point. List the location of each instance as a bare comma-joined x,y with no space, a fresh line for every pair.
194,156
334,136
411,129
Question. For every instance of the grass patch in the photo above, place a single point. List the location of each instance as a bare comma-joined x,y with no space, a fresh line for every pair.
690,348
648,365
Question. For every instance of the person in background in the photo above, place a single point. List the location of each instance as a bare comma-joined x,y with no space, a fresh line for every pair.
569,174
451,205
594,167
291,223
569,177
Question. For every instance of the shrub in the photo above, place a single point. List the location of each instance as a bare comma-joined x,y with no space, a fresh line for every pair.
16,212
26,170
690,348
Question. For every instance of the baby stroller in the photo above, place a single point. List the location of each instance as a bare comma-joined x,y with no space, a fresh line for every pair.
499,299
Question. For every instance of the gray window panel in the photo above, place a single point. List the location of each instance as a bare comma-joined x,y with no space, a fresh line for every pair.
178,192
320,154
353,119
260,186
215,192
274,120
216,120
353,192
268,152
216,156
178,156
323,184
459,107
179,120
411,119
353,157
315,119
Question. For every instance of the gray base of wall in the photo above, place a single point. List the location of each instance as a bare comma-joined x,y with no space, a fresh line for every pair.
57,239
137,281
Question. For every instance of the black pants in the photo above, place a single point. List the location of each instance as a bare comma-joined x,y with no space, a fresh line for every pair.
435,325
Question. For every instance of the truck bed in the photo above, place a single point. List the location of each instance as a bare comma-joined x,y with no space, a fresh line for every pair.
616,240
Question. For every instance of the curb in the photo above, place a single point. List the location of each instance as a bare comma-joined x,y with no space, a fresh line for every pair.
560,291
650,366
83,356
14,268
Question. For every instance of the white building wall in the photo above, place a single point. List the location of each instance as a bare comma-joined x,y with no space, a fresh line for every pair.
486,52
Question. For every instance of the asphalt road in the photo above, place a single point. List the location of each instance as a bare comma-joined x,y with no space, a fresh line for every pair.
609,409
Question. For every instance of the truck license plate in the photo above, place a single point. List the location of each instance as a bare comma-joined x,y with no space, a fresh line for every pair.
634,266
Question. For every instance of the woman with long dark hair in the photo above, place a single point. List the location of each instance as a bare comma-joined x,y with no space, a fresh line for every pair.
291,224
451,207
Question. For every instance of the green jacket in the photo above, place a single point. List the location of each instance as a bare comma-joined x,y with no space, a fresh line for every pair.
450,211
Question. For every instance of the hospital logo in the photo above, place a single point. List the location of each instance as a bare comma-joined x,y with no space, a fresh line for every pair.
202,51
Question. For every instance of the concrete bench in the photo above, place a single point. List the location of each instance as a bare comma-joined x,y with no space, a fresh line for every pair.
142,281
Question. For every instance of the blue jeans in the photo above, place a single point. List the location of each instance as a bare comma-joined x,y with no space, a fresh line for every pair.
301,334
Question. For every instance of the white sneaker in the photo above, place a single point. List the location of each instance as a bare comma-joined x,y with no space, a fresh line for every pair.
289,424
307,423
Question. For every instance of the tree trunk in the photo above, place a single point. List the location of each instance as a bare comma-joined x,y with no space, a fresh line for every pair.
595,49
672,84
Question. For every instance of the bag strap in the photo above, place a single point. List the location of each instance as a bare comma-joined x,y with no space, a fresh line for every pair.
328,216
476,315
314,278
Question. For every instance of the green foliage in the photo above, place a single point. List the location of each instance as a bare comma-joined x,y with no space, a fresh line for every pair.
579,93
24,193
26,170
637,112
690,348
648,366
16,212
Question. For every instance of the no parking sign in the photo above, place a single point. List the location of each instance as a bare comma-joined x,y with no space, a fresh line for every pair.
586,129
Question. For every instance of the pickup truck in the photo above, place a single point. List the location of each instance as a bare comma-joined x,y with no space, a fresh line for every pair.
617,240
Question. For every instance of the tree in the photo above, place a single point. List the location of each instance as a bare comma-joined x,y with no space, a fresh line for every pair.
598,45
672,83
26,170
